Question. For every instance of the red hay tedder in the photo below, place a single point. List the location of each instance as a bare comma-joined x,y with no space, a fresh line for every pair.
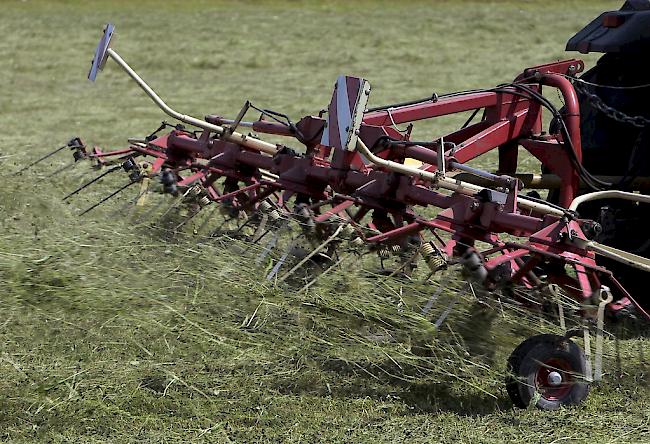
358,178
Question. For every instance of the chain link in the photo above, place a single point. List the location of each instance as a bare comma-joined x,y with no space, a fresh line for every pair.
613,113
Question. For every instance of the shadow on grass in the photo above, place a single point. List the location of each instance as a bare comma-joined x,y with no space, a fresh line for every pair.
439,397
386,382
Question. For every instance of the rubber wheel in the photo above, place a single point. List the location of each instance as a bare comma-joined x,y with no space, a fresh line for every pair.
514,362
539,359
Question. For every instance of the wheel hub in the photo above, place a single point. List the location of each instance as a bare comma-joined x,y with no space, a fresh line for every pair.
554,379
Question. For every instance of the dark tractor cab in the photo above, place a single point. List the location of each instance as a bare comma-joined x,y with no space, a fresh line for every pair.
615,111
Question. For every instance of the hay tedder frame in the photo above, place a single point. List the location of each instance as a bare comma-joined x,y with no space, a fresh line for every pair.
350,174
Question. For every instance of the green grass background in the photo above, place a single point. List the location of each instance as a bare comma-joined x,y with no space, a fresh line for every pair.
112,333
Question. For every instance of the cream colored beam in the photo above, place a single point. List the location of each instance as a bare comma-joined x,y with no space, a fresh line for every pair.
609,194
449,183
630,259
235,137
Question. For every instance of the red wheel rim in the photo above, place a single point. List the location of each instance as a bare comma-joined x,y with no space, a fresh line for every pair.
545,388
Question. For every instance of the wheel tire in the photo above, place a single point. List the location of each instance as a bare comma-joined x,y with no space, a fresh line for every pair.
514,362
531,366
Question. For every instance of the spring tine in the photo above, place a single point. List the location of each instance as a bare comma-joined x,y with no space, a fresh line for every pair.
617,349
312,254
187,219
429,305
216,232
450,307
42,158
248,220
270,245
587,344
327,270
256,240
175,204
605,298
207,219
145,185
140,199
150,211
402,267
445,313
281,262
260,230
108,197
128,203
87,184
641,353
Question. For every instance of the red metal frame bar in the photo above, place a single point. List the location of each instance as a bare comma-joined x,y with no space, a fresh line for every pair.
338,175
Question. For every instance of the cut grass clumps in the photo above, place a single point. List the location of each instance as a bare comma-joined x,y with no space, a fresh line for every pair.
210,337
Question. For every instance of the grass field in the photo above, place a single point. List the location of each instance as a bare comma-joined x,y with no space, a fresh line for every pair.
113,333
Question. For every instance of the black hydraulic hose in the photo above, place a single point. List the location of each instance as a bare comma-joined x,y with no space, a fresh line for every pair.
287,122
524,91
433,98
586,176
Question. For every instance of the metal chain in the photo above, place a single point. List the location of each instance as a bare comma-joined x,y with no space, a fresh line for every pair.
619,116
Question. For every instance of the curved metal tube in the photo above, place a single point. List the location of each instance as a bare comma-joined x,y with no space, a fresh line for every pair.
630,259
609,194
572,115
448,183
235,137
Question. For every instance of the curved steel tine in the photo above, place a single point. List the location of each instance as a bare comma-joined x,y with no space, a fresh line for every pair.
218,231
445,313
207,219
154,208
261,229
92,181
441,287
340,260
247,221
276,268
261,236
443,316
270,245
312,254
119,190
176,202
128,203
188,218
39,160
